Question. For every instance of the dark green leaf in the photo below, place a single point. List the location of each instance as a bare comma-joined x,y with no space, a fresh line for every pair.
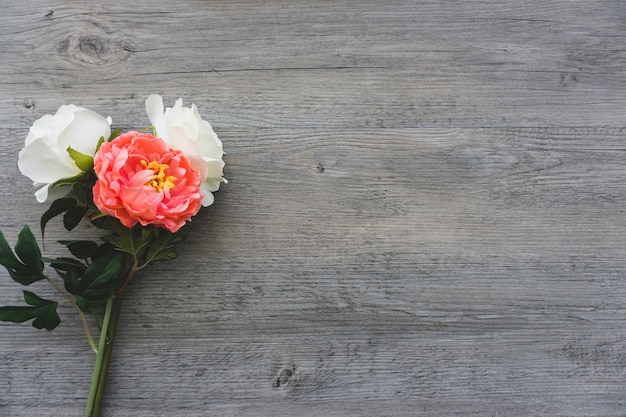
103,250
57,207
73,216
24,274
7,258
70,281
101,279
142,238
82,249
70,270
83,193
47,317
65,264
28,251
122,242
44,312
162,248
34,300
166,254
109,223
17,314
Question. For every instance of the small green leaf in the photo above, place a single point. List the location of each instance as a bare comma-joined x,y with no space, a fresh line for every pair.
82,249
28,251
24,276
73,216
70,281
166,254
162,248
65,264
115,134
101,279
121,242
17,314
83,193
7,258
99,144
103,250
34,300
47,317
44,312
142,238
70,270
57,207
108,223
21,273
82,161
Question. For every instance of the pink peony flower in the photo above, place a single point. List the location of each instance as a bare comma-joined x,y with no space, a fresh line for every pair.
141,180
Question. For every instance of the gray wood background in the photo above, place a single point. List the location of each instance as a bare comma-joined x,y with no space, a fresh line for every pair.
425,214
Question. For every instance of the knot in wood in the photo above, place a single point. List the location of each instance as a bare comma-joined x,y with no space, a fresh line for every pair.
283,377
93,50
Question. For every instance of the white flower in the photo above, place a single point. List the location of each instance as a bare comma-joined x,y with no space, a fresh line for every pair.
46,158
182,128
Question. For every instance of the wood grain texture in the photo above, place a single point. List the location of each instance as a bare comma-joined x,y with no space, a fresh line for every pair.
424,216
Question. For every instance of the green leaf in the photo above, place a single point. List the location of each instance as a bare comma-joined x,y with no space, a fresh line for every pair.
24,276
34,300
82,161
28,251
122,242
83,193
101,279
70,270
162,248
44,312
17,314
57,207
103,250
82,249
7,258
73,216
99,144
21,273
108,223
142,238
65,264
115,134
70,281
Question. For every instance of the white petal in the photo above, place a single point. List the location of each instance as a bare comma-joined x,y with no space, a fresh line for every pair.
44,126
178,139
209,145
208,196
45,165
58,192
154,107
66,112
42,194
215,168
84,132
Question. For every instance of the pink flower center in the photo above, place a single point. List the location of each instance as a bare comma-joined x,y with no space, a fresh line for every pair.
159,180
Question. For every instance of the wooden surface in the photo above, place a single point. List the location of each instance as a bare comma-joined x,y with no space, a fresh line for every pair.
425,214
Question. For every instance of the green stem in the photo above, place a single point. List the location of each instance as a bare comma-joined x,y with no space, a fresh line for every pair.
69,299
105,347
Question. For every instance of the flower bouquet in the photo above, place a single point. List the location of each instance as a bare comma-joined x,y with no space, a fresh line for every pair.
140,188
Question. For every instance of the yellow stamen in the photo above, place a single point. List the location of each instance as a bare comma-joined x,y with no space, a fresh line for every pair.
159,181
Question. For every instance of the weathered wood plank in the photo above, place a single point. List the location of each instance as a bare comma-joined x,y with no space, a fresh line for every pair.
438,268
338,65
